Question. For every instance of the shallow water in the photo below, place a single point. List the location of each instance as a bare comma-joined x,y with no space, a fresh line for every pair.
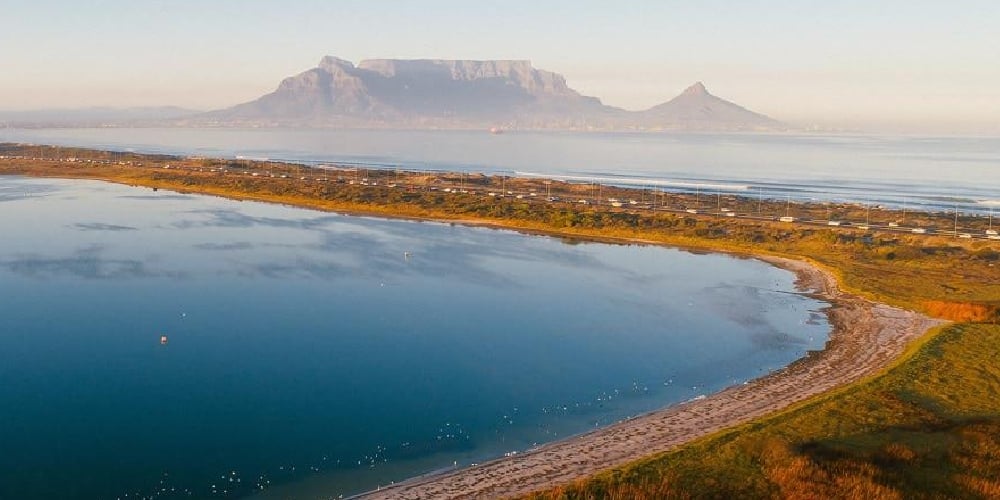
310,348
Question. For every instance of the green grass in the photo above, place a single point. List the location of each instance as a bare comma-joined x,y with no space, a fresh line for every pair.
928,428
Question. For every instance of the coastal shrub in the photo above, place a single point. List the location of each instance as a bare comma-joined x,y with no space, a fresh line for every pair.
907,253
960,311
987,254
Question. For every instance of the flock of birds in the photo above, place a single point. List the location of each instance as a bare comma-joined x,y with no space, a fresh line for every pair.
449,438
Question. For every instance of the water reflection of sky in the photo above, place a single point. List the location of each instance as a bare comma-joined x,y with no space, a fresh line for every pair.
338,345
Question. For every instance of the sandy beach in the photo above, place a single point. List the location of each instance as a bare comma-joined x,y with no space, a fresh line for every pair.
866,338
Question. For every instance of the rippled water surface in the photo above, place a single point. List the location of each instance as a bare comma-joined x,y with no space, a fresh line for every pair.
311,351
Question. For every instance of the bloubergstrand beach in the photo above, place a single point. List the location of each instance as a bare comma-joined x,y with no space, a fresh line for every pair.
370,350
866,337
524,250
402,332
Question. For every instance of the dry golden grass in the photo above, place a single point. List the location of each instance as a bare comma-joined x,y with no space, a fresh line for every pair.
927,429
961,311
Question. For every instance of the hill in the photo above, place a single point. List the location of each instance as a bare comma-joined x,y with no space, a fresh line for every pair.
435,93
697,109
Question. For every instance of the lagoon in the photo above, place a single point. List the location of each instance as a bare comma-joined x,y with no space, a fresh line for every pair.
317,348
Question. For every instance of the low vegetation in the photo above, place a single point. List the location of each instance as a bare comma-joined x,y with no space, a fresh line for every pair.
946,277
928,428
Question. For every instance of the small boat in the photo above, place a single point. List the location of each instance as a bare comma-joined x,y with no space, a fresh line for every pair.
163,340
496,130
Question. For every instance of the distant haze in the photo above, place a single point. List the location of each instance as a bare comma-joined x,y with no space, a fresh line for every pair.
442,93
889,65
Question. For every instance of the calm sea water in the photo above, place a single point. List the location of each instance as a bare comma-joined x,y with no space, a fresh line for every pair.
315,353
933,173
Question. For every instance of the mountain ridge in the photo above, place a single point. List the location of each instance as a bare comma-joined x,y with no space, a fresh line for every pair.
463,94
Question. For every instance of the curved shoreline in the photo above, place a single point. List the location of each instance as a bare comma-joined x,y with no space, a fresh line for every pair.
866,337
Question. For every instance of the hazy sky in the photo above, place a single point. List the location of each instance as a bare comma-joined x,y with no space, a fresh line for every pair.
828,62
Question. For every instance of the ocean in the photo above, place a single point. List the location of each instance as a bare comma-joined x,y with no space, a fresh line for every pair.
925,173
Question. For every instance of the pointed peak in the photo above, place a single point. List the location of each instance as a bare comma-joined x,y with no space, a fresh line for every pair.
697,89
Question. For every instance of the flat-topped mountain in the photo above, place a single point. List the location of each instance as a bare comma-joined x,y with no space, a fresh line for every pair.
466,94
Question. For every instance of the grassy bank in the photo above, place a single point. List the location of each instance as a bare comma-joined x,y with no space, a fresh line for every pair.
928,428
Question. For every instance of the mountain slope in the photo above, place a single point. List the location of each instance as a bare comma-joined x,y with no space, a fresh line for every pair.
436,93
697,109
412,92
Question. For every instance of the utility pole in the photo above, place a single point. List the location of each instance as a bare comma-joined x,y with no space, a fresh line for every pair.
956,220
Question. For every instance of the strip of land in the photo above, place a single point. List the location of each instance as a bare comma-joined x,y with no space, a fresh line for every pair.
952,278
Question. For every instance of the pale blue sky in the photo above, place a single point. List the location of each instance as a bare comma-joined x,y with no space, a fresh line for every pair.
843,62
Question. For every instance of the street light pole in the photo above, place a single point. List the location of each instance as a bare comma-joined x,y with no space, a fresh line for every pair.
956,220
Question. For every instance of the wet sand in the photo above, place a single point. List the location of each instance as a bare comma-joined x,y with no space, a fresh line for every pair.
866,338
